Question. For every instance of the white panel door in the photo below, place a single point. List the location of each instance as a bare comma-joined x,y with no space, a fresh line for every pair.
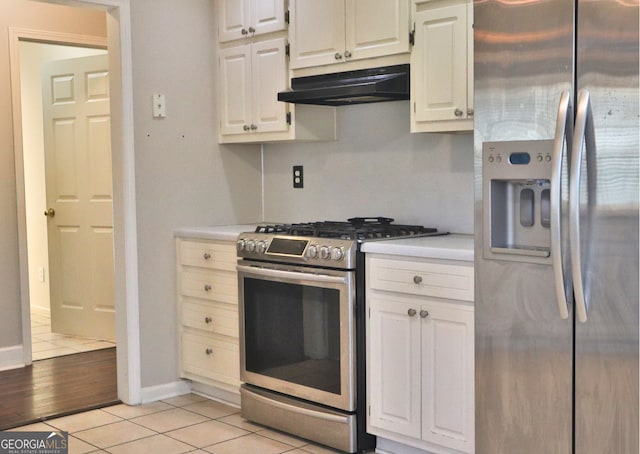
235,89
377,27
79,190
269,72
317,32
447,376
441,58
393,366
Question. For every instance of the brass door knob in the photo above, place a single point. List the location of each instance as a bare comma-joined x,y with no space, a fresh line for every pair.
50,212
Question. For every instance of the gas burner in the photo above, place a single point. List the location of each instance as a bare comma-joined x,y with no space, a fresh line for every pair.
359,229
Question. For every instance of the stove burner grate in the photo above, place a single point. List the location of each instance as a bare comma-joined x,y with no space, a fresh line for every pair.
353,229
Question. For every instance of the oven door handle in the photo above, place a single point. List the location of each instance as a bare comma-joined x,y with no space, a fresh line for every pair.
324,278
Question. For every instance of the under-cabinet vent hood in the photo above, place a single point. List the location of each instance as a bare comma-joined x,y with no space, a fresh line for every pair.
389,83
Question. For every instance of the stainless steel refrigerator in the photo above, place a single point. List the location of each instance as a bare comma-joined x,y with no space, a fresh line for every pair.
556,219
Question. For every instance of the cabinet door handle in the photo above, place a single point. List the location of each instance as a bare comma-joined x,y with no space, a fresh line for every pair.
208,351
347,54
417,279
208,320
253,127
470,112
411,312
206,256
458,112
244,32
252,30
246,128
207,287
338,56
424,313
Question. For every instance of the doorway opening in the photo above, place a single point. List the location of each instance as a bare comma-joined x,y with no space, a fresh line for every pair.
118,37
72,331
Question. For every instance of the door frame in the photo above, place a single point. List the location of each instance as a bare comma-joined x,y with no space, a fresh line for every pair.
118,16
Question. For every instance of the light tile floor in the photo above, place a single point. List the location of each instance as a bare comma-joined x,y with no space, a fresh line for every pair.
46,344
188,423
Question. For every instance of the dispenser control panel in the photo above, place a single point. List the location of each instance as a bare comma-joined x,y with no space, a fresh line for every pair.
516,178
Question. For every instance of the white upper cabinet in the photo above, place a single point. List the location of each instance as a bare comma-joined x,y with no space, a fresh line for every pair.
335,31
250,77
442,67
239,19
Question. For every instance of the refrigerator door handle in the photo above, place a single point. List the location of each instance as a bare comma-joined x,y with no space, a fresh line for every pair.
584,143
564,133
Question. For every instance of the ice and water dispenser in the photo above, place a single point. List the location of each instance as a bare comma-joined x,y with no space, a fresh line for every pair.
516,192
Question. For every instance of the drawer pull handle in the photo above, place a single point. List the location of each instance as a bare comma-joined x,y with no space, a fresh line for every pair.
417,279
411,312
424,313
208,320
206,256
207,287
208,351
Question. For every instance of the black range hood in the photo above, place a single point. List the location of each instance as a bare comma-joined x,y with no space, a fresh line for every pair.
389,83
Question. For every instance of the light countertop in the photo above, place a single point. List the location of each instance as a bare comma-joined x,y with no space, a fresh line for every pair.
445,247
215,232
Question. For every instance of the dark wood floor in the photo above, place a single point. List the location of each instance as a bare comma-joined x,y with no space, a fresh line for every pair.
57,387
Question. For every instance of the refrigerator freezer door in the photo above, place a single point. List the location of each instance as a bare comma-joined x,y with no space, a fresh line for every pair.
606,351
523,63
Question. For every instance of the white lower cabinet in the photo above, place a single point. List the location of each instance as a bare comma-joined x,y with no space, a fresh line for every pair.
420,354
208,310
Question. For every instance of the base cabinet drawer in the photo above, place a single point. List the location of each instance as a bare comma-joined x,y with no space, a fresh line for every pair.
215,286
211,358
422,278
210,317
204,254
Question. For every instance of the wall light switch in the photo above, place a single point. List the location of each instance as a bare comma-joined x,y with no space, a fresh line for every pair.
159,106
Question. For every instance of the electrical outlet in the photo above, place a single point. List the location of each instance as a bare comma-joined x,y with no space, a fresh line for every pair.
298,177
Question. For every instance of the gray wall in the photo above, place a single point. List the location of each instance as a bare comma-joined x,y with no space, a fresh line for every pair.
183,177
375,168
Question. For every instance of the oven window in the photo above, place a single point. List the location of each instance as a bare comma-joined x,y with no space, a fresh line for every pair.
292,333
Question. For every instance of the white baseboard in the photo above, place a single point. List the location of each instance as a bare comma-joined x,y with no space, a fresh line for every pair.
217,394
164,391
12,357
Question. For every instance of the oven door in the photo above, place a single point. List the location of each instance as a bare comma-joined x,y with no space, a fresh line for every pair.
297,333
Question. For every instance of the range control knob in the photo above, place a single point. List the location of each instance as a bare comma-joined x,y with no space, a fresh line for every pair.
251,245
325,252
312,251
261,247
242,244
337,253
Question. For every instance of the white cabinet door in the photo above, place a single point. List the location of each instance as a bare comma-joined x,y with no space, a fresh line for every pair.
234,17
269,72
235,89
250,78
447,376
439,64
393,366
316,32
239,19
268,16
376,28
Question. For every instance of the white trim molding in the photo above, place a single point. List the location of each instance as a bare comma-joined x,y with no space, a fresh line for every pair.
165,391
11,357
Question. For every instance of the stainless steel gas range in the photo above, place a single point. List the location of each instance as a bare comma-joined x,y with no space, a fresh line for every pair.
302,319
